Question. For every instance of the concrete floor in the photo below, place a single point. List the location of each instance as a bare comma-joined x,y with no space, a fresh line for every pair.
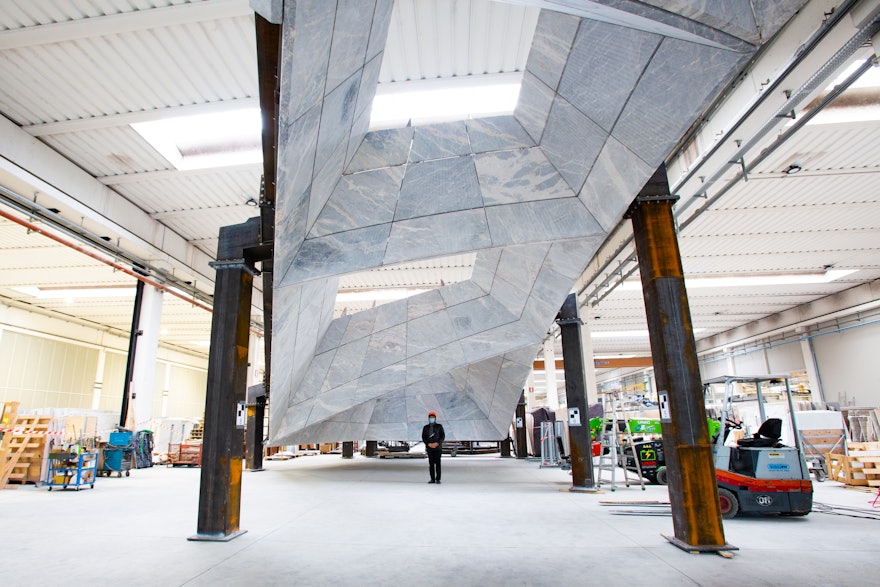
322,520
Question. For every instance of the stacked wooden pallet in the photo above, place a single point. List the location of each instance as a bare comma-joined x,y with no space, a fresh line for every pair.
860,466
23,447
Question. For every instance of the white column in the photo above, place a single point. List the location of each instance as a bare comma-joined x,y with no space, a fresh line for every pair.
530,391
166,389
143,377
728,358
98,386
255,349
550,374
816,392
589,359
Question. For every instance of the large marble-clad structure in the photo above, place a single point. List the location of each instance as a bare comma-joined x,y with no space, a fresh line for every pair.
610,87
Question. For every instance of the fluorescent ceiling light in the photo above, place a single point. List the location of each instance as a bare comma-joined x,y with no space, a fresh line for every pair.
219,139
59,293
627,334
751,280
869,79
439,100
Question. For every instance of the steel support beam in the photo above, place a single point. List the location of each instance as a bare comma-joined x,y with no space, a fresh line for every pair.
576,396
133,335
223,441
522,447
256,418
372,448
693,492
348,449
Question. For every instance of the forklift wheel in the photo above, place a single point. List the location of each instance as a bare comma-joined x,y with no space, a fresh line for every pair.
820,475
728,502
128,473
662,476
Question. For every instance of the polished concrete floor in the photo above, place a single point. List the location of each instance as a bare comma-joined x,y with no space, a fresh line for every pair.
322,520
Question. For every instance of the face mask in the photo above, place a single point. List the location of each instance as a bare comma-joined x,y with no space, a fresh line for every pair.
432,420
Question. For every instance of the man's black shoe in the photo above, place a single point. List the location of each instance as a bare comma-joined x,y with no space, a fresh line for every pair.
438,481
432,481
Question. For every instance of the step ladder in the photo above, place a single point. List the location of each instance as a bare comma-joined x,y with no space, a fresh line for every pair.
612,455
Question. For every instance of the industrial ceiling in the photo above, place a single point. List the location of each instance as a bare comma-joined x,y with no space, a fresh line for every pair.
78,73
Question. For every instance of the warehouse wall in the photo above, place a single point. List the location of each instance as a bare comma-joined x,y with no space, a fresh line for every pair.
848,364
46,362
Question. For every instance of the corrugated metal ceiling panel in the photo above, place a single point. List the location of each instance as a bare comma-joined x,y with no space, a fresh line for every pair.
108,151
861,216
850,145
803,189
206,223
456,38
756,244
191,191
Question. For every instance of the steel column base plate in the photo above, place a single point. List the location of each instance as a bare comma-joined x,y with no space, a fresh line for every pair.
697,549
216,537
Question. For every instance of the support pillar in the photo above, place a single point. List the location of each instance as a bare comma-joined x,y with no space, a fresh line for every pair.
550,383
256,418
133,335
522,446
815,382
223,442
98,386
144,374
693,491
372,448
348,449
576,396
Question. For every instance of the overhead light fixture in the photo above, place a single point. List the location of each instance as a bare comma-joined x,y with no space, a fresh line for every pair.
443,100
826,276
792,169
202,141
627,333
250,202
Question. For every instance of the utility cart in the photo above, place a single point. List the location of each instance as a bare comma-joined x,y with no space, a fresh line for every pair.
72,469
117,454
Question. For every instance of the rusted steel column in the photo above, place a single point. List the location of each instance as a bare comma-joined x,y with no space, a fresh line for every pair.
693,492
223,440
576,396
522,450
256,416
372,448
348,449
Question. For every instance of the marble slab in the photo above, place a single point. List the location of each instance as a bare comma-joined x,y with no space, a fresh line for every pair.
572,142
305,56
533,106
521,175
435,236
382,148
497,133
550,46
433,187
438,141
360,200
540,221
338,253
349,45
386,348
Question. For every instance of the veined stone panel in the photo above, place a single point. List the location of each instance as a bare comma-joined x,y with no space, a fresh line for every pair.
609,88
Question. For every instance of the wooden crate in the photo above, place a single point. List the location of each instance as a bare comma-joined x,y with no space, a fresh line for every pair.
861,466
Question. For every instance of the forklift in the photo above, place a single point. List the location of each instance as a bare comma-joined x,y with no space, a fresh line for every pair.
760,474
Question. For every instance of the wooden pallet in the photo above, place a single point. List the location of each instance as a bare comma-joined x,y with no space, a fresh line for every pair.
861,466
23,447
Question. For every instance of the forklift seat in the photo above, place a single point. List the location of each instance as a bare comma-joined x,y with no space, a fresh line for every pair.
767,435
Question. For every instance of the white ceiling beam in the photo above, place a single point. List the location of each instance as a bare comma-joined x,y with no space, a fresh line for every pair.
114,24
59,181
195,212
174,173
114,120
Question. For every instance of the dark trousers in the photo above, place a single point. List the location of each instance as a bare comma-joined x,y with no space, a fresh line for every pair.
434,462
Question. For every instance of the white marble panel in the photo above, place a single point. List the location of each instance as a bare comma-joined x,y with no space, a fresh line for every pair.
550,46
458,406
305,56
379,28
605,63
378,383
389,409
347,364
484,268
423,304
617,177
540,221
773,14
735,17
677,85
360,325
481,381
439,360
434,236
331,402
572,142
386,347
390,314
382,148
496,133
439,141
478,315
337,116
314,378
350,38
337,254
533,106
359,129
434,187
333,337
570,257
417,408
360,200
490,343
429,331
390,430
457,293
325,181
512,296
520,264
367,91
522,175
